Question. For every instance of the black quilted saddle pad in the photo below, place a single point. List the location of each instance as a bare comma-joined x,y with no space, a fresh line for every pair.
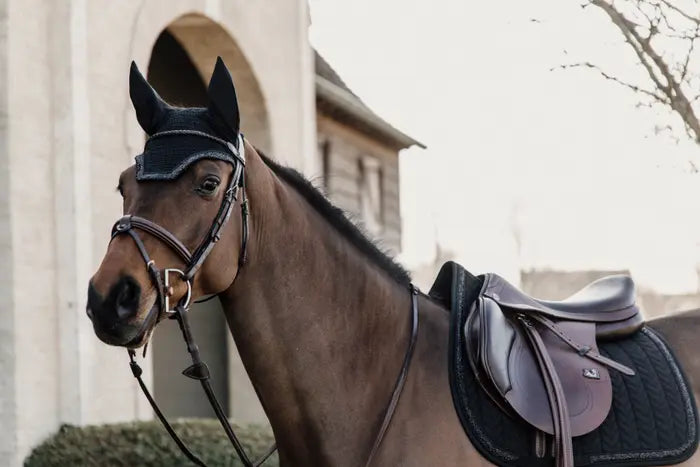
653,419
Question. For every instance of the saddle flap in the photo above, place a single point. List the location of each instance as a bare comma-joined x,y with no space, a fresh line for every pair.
505,355
497,339
586,383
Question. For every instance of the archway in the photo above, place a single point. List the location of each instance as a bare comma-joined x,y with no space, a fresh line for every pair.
203,40
181,63
174,76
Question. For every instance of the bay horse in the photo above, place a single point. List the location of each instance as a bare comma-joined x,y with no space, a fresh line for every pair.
320,316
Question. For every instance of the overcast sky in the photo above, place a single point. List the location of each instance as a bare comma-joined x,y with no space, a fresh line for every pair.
525,167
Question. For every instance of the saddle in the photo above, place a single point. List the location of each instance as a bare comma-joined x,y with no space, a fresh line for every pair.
538,360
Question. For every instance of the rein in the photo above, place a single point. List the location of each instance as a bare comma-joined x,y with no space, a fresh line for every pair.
129,224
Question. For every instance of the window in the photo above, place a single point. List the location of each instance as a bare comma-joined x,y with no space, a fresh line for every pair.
326,164
370,191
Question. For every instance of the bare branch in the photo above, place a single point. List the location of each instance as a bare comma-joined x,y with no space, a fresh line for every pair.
656,30
657,97
685,15
691,48
657,69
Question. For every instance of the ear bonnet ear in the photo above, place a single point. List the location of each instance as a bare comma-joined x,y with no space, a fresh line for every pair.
150,108
180,137
223,103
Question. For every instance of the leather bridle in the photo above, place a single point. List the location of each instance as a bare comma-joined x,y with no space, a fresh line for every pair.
130,224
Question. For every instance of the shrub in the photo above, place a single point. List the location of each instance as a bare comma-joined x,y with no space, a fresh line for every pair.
148,444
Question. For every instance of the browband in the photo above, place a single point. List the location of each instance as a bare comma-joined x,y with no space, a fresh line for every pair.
240,156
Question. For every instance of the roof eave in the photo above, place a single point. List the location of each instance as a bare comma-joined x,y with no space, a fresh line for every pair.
351,105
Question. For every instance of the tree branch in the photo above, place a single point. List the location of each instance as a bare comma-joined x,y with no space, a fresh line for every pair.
657,97
657,69
685,15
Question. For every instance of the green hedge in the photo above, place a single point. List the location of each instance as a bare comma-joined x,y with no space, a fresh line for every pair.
148,444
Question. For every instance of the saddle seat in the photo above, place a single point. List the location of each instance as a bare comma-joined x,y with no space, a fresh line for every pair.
608,294
609,302
539,360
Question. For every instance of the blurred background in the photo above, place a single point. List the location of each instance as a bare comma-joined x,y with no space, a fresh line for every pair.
552,142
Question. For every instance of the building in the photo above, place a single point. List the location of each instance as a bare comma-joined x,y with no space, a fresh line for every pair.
359,157
67,130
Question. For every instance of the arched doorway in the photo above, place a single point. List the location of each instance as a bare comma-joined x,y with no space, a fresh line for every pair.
202,40
174,76
181,63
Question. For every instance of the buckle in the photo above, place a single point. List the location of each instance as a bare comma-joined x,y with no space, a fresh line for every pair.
230,194
122,225
166,284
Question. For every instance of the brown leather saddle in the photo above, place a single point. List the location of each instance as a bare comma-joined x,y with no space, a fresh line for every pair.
539,360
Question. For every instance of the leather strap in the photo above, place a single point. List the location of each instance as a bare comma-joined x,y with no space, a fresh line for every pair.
584,351
398,387
137,371
220,220
200,372
563,443
244,219
129,222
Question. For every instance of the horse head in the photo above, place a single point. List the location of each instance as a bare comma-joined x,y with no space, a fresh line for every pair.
177,199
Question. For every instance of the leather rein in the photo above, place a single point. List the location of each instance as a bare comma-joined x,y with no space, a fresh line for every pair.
129,224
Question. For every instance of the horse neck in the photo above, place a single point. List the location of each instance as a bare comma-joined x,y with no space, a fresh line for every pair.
320,329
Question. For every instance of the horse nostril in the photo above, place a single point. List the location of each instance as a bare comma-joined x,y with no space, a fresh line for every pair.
121,303
127,293
94,301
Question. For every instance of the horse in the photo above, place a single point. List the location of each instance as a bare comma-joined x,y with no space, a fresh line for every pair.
322,318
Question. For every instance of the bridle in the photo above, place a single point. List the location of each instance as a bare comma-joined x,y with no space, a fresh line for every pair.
130,224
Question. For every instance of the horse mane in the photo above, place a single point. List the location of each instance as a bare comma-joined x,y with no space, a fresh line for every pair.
338,219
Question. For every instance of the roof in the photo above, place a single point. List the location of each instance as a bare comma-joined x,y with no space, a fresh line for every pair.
335,98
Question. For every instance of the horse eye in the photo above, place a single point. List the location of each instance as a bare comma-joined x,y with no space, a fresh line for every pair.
209,185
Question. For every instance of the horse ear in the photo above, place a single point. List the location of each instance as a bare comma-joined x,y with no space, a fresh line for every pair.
223,104
150,108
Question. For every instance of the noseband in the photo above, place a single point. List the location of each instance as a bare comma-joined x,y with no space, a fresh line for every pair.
130,224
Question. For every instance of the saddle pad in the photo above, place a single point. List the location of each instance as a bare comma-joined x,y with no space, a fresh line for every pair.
653,419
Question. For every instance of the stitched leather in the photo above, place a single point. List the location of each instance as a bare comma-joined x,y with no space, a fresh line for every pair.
126,223
653,420
543,363
584,308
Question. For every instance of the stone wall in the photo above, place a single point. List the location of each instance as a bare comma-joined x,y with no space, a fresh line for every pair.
67,130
